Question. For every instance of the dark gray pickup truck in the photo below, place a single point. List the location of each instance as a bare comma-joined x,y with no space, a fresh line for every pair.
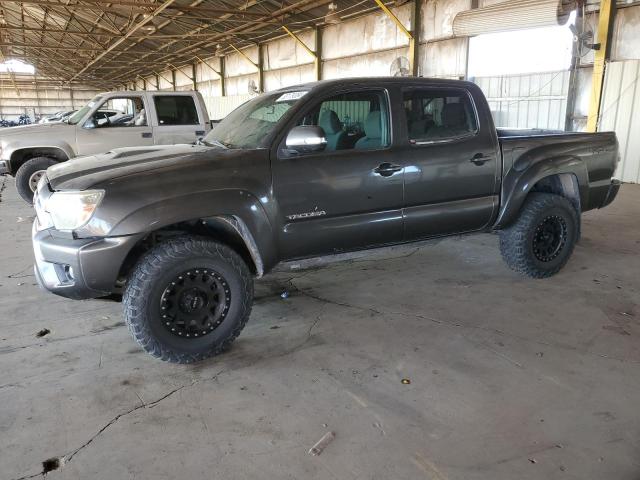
306,171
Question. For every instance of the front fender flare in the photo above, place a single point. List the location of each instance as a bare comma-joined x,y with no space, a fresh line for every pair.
239,209
63,150
242,231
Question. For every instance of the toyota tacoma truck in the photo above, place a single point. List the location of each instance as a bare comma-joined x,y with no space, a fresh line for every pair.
306,171
109,120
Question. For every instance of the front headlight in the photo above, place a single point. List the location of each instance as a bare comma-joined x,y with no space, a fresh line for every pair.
72,210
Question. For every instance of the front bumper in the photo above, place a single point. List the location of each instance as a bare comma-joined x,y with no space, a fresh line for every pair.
612,192
79,268
4,167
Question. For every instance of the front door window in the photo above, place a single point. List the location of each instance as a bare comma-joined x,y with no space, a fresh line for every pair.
121,112
352,121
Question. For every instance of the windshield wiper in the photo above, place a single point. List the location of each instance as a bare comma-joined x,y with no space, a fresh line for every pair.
212,143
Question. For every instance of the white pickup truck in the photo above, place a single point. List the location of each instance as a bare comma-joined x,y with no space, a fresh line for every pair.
109,120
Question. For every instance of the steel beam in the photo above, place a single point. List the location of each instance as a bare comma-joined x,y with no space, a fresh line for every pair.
318,60
131,31
223,84
260,68
605,30
300,42
79,49
414,40
204,62
245,56
133,6
412,44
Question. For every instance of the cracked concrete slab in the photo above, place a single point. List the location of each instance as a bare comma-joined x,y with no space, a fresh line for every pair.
509,377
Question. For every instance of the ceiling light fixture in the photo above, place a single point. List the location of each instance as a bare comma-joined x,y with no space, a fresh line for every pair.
150,26
332,17
219,52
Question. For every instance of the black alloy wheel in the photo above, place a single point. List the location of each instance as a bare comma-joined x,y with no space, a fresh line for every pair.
195,303
550,238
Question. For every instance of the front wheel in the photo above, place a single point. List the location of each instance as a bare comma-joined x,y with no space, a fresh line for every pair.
539,243
188,299
29,174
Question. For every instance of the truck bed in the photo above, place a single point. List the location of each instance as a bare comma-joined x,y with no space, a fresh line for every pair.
591,156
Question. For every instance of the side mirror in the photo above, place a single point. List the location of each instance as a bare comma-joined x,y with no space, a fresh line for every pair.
306,139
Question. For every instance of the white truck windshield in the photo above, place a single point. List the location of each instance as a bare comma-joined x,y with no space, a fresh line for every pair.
249,124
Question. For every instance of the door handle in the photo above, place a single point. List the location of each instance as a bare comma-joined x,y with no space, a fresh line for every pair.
199,133
387,169
146,134
480,159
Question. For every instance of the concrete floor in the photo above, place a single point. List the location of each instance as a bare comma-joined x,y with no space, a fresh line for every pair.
511,378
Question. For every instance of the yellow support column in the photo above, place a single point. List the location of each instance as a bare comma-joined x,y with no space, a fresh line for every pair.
316,58
607,10
412,43
257,65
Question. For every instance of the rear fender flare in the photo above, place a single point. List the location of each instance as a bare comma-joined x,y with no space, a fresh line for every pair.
518,184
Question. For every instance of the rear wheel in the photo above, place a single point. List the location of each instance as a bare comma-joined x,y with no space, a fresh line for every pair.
188,299
29,174
539,243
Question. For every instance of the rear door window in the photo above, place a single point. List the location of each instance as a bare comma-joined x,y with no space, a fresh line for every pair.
438,114
176,110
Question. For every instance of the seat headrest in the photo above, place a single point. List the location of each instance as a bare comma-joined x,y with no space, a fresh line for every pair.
373,125
453,115
330,122
140,118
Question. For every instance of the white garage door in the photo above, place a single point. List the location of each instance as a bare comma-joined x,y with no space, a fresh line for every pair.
511,15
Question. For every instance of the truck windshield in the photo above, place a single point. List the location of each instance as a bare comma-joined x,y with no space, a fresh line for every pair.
251,123
79,115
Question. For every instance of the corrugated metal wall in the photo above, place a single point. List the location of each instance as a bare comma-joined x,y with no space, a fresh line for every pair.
40,101
620,107
536,100
220,107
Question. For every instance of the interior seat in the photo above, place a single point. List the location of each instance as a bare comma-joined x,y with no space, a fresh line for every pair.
372,132
418,124
454,122
140,119
336,137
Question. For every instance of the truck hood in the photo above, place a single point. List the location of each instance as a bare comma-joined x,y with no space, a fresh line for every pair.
81,173
35,129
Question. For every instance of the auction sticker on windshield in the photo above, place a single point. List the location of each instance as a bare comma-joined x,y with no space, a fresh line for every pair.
287,97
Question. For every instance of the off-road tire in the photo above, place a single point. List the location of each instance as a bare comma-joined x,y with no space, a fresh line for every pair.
26,171
151,276
517,240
